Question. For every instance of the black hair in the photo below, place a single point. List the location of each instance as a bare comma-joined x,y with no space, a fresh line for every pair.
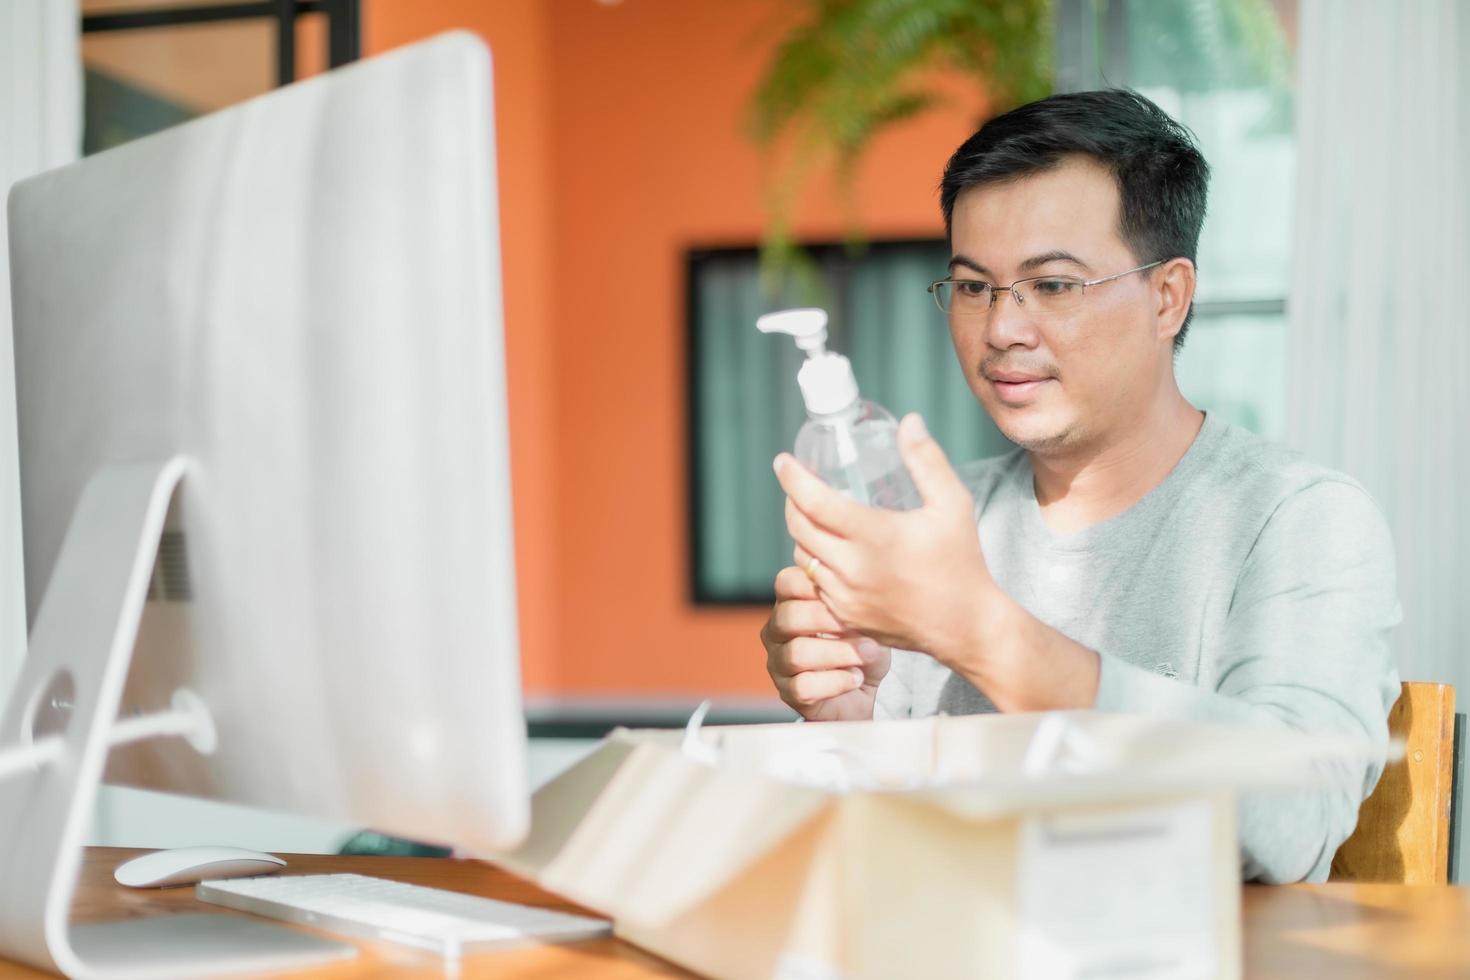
1162,177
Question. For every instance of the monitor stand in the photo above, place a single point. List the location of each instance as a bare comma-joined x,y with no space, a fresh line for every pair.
63,712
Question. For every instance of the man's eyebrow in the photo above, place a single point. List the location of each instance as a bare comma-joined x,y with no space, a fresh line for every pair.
971,264
1037,261
1031,264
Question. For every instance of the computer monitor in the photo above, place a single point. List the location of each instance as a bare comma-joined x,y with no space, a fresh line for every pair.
271,339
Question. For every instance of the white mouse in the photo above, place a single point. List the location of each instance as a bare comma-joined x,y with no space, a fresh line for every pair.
186,865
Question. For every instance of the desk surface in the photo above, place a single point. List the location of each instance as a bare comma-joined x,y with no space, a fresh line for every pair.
1336,930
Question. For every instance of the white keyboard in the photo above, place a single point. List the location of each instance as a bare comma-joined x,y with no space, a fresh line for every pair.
447,923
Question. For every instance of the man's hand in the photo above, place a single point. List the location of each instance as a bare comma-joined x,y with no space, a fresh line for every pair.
823,671
914,579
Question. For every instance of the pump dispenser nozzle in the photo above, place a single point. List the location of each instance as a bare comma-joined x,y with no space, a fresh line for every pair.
826,379
808,324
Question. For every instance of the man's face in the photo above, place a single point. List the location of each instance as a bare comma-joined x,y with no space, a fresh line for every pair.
1057,382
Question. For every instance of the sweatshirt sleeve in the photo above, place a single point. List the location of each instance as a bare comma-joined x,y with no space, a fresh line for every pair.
1306,647
895,698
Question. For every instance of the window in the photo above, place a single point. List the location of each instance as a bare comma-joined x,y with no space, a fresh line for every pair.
1222,69
150,64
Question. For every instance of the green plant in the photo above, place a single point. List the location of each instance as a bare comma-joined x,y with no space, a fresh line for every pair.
852,68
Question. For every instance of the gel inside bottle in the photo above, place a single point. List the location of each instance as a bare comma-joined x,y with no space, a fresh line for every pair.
851,443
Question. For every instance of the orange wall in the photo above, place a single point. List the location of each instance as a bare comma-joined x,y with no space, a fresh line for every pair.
621,146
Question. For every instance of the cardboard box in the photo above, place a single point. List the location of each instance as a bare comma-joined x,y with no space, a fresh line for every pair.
1043,845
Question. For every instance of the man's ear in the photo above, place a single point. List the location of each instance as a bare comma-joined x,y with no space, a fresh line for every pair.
1174,282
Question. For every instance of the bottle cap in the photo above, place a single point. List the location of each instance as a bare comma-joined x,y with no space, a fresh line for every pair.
827,384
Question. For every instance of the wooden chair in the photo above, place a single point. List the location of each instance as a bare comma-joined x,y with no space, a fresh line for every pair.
1405,827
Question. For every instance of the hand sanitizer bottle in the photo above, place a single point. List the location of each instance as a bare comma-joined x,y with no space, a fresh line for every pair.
851,443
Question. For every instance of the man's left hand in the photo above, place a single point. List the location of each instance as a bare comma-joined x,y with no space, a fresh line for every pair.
909,579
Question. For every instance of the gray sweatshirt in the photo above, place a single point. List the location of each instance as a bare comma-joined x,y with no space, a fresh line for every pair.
1250,586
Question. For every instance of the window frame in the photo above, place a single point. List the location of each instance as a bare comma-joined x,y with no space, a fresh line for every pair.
344,25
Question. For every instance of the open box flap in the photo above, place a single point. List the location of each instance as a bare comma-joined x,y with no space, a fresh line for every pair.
639,831
992,766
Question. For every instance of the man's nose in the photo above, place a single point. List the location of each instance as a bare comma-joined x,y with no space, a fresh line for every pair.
1010,322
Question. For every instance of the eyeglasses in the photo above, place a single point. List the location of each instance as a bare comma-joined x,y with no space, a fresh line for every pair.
1041,294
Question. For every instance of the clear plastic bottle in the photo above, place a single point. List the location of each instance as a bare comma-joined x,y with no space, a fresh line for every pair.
851,443
857,453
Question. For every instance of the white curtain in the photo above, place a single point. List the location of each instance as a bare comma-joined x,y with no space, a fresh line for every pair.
40,128
1379,382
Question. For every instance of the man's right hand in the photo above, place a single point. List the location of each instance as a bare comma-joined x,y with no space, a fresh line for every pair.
823,671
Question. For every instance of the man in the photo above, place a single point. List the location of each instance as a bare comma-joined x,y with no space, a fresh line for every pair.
1134,554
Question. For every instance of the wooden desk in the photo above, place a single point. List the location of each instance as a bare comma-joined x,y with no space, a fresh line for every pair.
1338,930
